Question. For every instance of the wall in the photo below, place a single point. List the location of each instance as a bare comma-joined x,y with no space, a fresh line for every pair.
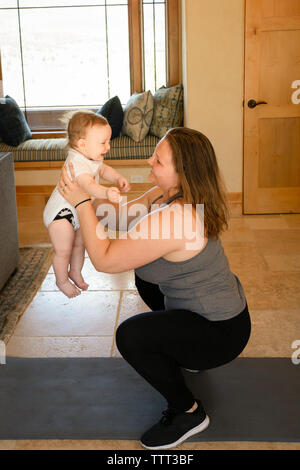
212,52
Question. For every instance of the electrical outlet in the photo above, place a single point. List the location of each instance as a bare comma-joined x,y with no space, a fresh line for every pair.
136,179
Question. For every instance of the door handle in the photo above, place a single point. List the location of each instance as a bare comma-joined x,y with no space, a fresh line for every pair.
253,103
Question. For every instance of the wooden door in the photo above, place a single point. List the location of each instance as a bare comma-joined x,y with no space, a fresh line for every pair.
272,130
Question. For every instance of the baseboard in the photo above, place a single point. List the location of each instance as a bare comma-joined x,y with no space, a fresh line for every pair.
235,203
37,196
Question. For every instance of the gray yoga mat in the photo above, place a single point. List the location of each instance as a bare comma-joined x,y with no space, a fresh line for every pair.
249,399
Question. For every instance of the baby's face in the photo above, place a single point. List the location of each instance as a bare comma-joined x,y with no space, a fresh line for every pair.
96,142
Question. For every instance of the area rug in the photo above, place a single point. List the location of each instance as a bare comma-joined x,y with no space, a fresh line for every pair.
250,399
22,286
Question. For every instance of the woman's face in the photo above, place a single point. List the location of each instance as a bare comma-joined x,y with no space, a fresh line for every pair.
163,172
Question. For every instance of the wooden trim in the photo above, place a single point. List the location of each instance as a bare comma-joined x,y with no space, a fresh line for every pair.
235,202
235,197
23,166
135,46
38,196
47,189
54,165
173,42
44,189
251,89
46,134
32,189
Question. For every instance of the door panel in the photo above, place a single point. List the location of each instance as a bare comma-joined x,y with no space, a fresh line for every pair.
280,149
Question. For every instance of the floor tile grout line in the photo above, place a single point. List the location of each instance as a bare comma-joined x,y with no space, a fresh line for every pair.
116,323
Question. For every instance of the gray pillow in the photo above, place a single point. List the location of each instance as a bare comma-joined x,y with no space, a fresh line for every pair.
168,110
13,126
138,115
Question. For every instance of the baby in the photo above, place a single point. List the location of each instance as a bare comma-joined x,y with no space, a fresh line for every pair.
89,136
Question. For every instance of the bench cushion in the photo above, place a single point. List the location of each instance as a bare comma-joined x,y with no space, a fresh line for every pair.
36,150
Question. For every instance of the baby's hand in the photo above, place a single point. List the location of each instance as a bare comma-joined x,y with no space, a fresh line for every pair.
123,183
113,194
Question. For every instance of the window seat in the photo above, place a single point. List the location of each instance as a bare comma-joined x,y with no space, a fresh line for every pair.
51,153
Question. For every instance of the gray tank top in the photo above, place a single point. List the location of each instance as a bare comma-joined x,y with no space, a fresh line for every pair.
203,284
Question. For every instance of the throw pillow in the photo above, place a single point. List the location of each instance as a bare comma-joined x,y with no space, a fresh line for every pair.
13,126
168,110
112,110
138,116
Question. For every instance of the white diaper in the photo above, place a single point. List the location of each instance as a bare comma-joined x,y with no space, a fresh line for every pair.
56,202
54,205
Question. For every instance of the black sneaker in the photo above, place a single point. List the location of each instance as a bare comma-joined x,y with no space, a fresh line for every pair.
174,428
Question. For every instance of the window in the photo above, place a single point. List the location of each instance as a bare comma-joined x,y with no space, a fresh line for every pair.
65,54
154,20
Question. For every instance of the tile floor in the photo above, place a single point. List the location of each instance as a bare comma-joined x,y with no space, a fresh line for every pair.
264,251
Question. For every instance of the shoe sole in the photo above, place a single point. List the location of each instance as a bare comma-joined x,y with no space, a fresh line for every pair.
190,433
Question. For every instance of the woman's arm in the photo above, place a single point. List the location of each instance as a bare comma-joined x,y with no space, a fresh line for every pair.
144,243
147,241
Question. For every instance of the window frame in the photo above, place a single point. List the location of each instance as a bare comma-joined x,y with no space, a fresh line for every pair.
173,40
136,60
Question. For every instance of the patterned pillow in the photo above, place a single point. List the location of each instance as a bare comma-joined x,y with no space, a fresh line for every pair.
138,116
112,110
168,110
13,126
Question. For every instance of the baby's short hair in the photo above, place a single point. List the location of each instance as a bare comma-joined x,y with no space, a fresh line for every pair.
79,121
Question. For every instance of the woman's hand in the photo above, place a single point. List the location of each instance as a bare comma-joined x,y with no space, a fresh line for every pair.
69,188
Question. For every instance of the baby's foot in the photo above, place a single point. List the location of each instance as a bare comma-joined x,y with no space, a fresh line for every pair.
78,279
68,289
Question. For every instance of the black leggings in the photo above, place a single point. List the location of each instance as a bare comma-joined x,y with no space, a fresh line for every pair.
158,343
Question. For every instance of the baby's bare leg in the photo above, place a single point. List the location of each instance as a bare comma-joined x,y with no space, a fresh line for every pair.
62,237
77,260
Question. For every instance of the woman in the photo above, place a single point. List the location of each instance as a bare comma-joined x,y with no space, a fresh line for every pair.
199,317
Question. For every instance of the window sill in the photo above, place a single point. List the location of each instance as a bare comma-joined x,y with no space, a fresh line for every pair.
56,134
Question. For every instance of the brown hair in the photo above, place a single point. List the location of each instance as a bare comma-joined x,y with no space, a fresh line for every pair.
77,123
200,181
